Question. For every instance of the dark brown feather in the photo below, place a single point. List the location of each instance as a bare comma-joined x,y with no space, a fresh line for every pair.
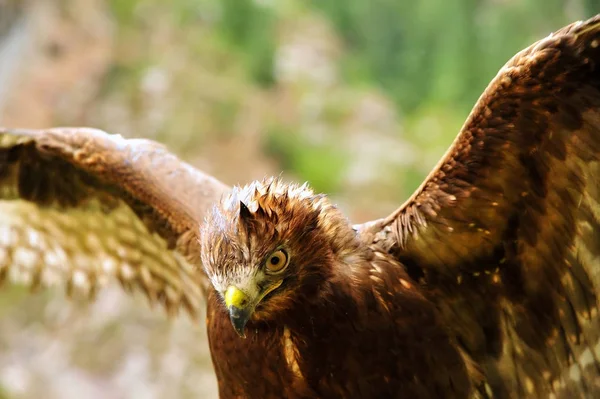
504,233
345,320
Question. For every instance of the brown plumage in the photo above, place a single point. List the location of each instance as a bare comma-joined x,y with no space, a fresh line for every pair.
344,318
483,284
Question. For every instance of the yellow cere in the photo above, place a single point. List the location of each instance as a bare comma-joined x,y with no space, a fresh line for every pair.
235,297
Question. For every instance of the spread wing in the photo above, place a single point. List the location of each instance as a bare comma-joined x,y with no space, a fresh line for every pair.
81,207
504,234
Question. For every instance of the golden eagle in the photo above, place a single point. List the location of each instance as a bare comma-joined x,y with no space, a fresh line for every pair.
483,284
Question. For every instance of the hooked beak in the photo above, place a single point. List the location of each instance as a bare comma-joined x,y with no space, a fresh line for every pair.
240,309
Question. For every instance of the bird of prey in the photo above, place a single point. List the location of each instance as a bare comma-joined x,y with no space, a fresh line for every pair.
485,283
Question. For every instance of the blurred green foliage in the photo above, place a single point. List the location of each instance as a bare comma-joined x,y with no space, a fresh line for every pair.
251,28
431,58
245,25
322,163
442,52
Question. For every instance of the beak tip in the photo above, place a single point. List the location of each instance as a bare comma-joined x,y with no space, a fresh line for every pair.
240,330
239,318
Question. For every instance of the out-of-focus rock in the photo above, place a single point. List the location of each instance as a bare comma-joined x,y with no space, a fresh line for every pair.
53,56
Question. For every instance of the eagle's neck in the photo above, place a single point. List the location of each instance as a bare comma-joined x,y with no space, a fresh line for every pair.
335,296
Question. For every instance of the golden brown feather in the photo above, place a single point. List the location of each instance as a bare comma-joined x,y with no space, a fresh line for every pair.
80,207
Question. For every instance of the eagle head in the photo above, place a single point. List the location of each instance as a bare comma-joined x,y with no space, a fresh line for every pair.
269,246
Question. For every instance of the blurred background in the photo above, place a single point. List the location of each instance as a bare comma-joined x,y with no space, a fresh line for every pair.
358,97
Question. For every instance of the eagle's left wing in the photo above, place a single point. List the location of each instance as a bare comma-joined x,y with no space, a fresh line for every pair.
504,234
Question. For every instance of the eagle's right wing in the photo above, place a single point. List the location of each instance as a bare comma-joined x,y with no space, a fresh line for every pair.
81,207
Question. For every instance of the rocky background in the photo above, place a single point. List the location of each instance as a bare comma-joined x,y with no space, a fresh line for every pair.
360,98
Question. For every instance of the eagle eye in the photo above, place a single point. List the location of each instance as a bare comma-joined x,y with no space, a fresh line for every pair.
277,261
